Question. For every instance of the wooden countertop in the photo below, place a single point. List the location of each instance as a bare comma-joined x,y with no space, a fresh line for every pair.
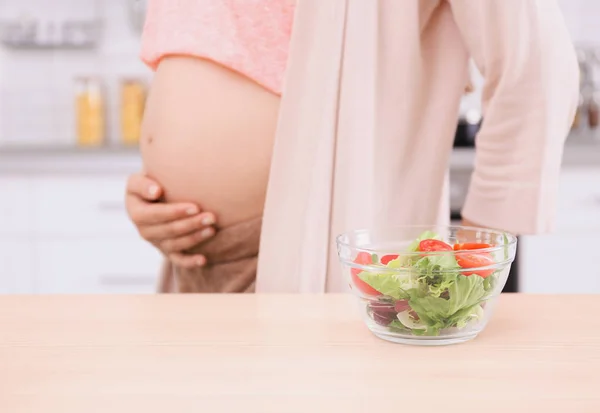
276,353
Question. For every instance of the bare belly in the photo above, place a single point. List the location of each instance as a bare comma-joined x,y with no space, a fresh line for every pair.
208,136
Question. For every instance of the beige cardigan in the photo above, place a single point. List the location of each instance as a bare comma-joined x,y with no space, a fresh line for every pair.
368,115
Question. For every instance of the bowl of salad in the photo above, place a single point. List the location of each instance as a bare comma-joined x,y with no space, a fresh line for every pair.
427,285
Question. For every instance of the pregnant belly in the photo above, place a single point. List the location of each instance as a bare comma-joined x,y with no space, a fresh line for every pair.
208,136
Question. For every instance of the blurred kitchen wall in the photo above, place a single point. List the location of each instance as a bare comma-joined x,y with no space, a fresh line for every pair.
37,83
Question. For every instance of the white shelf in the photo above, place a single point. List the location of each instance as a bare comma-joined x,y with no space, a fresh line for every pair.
39,160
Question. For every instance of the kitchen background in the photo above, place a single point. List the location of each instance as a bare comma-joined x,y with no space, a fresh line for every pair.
71,97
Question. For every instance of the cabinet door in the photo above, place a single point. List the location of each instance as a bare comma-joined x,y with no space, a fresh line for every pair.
16,266
579,201
81,206
16,205
560,264
97,266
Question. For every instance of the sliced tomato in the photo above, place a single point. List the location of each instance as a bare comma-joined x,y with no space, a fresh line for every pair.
475,260
433,245
471,246
387,258
363,258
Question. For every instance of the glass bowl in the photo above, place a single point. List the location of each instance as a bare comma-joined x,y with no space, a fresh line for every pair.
426,285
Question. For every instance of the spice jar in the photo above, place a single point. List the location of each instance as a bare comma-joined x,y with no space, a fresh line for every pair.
89,107
133,99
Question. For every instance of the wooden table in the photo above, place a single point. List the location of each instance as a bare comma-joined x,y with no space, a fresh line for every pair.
277,353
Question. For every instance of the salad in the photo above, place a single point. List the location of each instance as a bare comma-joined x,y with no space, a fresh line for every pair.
434,293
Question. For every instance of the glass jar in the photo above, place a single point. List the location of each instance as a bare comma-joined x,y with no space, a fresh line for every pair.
133,99
89,108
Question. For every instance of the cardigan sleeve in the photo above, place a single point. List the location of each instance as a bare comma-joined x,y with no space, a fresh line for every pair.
530,94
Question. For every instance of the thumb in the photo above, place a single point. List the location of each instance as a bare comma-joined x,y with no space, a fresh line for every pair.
144,187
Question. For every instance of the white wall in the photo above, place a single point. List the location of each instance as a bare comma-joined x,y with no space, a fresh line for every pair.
36,87
583,20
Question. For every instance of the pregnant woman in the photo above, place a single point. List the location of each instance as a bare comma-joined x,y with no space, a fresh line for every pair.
289,137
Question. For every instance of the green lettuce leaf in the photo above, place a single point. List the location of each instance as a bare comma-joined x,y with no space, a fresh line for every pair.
395,263
462,317
430,331
438,272
502,254
397,327
490,282
391,284
463,294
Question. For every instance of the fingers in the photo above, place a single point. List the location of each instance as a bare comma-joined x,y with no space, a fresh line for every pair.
187,261
178,228
140,197
144,213
186,242
141,186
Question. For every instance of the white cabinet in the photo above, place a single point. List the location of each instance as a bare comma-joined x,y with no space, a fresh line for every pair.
564,262
560,264
579,201
16,205
64,233
84,240
16,247
16,266
80,206
103,265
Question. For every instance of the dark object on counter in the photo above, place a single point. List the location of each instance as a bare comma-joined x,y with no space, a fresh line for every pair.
467,129
594,110
512,283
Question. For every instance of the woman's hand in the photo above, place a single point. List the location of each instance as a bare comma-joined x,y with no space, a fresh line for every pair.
171,227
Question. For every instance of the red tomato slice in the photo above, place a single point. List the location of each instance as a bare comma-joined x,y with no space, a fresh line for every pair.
471,246
474,260
387,258
363,258
433,245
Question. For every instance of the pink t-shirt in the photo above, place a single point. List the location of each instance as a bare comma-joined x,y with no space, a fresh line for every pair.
249,36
